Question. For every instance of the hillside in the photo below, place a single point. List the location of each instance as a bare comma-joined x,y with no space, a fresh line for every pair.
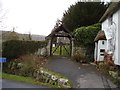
6,35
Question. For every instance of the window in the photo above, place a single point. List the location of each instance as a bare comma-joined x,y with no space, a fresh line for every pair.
103,42
102,50
102,54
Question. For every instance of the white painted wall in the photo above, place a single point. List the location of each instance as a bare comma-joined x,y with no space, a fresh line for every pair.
119,37
118,41
105,25
95,51
99,47
115,20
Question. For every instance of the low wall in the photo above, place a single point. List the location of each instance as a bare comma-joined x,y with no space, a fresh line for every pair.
41,74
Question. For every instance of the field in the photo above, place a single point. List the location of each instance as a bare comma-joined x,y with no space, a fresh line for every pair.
64,52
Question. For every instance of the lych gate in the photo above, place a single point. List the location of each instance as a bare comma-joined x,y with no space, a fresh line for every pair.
59,38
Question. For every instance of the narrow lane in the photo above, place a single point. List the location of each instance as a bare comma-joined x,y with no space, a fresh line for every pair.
81,75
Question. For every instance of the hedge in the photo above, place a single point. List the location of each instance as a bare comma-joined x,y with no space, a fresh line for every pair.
15,48
84,36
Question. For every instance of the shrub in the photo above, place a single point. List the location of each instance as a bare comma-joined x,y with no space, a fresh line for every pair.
84,37
78,57
104,68
15,48
24,65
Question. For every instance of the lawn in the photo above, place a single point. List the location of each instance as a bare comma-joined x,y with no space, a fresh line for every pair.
21,78
64,53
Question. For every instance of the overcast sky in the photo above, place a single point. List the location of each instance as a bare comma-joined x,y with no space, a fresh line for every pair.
34,16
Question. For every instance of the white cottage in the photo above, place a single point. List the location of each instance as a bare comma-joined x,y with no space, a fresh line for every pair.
100,46
111,26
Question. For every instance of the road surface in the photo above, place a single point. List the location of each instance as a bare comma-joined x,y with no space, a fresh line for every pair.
81,75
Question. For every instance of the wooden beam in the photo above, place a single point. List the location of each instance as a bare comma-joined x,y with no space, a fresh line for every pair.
55,49
70,47
51,47
60,49
66,50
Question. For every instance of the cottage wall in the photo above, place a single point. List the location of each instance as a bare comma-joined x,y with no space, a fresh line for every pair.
118,37
100,50
105,25
116,22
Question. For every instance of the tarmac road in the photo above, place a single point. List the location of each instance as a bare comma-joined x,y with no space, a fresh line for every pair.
81,75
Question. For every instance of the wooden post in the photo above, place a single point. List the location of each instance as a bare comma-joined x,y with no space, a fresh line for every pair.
55,49
60,49
66,50
51,47
72,47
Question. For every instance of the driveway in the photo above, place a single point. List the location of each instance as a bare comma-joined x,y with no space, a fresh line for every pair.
81,75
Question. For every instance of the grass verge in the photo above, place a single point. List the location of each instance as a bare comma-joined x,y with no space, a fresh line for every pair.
25,79
21,78
28,80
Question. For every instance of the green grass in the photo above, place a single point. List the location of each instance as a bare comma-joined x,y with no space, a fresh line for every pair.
25,79
21,78
64,53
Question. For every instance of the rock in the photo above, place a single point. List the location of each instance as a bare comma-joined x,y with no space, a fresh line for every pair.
41,71
43,52
53,77
113,74
19,65
63,83
10,65
13,66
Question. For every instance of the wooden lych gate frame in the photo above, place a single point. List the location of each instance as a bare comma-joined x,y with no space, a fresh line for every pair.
56,33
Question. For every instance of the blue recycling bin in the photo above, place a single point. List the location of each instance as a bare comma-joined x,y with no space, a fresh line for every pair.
2,59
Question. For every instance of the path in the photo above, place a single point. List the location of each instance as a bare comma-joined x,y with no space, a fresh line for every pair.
81,75
17,84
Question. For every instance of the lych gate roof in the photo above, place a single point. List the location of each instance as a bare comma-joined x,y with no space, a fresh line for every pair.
111,10
60,31
100,36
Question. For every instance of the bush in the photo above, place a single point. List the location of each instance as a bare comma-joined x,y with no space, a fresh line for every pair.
84,37
104,68
15,48
78,57
24,65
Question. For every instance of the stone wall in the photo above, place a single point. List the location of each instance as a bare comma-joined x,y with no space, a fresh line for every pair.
79,50
52,78
43,75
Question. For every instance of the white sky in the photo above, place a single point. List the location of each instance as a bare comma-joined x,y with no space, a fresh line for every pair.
34,16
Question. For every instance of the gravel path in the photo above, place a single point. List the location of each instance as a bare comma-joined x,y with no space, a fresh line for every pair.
81,75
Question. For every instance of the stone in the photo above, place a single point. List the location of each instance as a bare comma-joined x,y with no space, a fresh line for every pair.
43,52
35,74
13,66
10,65
41,71
53,77
63,83
19,65
113,74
